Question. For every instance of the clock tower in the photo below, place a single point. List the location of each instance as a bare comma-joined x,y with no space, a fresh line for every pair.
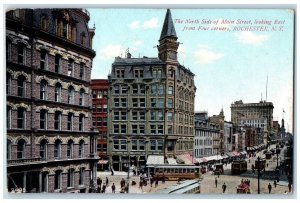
168,45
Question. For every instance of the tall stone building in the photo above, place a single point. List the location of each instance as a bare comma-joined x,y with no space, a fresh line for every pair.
99,109
252,113
50,140
152,105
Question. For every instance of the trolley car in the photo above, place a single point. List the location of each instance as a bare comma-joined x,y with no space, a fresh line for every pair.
176,172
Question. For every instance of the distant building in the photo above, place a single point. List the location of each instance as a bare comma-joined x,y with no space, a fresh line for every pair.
50,140
228,130
206,141
275,130
99,109
253,114
151,109
218,142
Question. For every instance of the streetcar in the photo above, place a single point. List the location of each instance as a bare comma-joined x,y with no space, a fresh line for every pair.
185,187
238,167
176,172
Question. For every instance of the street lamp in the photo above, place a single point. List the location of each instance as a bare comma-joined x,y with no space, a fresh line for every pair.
258,175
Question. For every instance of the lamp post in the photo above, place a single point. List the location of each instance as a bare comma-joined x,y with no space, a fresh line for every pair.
277,153
258,174
128,141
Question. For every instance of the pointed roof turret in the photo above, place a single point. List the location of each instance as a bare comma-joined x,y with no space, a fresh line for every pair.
168,29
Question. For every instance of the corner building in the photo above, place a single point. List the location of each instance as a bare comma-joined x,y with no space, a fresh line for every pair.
151,105
50,140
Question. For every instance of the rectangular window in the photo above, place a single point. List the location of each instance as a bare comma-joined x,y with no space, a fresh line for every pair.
43,60
160,89
160,115
153,89
94,108
134,115
138,73
124,89
43,119
152,129
134,89
142,145
159,145
104,107
116,128
123,129
153,102
134,145
81,176
152,145
99,108
116,144
123,102
70,178
142,89
70,121
161,103
116,102
134,129
142,115
123,145
57,181
170,116
57,121
153,115
142,129
120,73
99,121
21,54
170,129
170,90
123,116
160,129
134,102
116,116
104,124
142,102
170,103
117,89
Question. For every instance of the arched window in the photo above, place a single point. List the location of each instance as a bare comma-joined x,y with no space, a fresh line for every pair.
57,94
44,23
57,180
8,117
57,120
81,176
81,149
21,118
81,122
70,149
70,121
43,90
81,97
43,119
21,86
8,150
43,60
8,49
57,149
21,149
43,149
57,63
70,67
8,83
71,95
81,72
70,182
21,54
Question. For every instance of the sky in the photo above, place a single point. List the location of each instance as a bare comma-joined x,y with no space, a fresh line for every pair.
229,64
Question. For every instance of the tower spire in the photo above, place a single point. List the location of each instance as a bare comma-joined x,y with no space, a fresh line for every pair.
168,29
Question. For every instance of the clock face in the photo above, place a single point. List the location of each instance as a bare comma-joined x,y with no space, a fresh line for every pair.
172,55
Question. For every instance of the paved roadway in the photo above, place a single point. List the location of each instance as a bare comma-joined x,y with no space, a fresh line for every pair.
208,182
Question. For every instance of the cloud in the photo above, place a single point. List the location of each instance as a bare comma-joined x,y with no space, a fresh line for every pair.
247,37
203,55
138,43
134,25
150,24
111,51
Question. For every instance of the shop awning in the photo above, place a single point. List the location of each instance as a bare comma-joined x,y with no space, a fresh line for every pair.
172,161
186,158
155,160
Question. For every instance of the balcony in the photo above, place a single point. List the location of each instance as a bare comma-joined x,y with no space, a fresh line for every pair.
24,161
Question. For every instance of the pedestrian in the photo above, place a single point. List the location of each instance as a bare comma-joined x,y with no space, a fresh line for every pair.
103,188
290,187
267,164
113,188
163,180
270,188
224,187
151,181
141,184
216,182
156,182
106,181
99,189
275,183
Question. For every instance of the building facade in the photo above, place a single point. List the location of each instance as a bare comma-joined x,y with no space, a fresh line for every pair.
253,114
99,108
206,141
50,140
228,130
152,105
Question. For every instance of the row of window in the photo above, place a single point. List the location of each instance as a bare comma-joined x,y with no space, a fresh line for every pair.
21,90
140,129
137,145
21,119
205,142
202,133
201,152
100,121
99,108
99,94
43,149
139,73
44,60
